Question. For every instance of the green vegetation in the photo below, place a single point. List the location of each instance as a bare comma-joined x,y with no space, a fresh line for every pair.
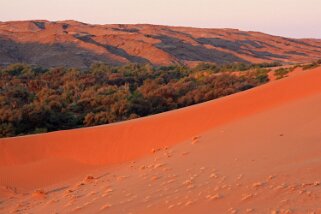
282,72
234,66
37,100
261,75
312,65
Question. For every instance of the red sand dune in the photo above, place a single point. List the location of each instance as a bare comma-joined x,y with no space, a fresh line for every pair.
258,151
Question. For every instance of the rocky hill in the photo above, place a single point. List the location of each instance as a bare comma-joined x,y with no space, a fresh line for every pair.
71,43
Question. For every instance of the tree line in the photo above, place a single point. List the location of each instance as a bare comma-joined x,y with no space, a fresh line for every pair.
38,100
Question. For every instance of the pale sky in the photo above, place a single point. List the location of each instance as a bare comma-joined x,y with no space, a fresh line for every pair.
293,18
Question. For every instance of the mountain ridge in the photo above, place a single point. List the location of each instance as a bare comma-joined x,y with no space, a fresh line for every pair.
76,44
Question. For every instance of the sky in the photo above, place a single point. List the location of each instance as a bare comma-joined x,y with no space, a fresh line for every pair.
291,18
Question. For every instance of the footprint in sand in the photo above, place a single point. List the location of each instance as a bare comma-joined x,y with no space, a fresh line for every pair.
214,197
195,140
213,175
77,209
232,210
184,153
155,178
104,207
159,165
68,191
52,201
258,184
247,196
89,178
39,194
109,190
121,178
91,194
188,203
249,210
171,206
9,189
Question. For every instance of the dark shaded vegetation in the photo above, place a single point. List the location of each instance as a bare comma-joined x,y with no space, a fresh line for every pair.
112,49
234,66
229,44
312,65
185,51
282,72
296,53
267,55
36,100
53,55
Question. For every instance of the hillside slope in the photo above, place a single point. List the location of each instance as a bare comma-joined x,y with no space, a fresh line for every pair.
71,43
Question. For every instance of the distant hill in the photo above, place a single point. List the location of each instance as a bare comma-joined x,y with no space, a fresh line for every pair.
76,44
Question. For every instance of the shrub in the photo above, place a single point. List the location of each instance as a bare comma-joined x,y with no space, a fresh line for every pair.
35,100
282,72
310,66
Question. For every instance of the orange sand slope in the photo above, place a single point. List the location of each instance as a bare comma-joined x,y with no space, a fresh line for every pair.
258,151
125,141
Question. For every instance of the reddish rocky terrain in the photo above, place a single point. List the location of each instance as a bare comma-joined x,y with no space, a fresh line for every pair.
71,43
